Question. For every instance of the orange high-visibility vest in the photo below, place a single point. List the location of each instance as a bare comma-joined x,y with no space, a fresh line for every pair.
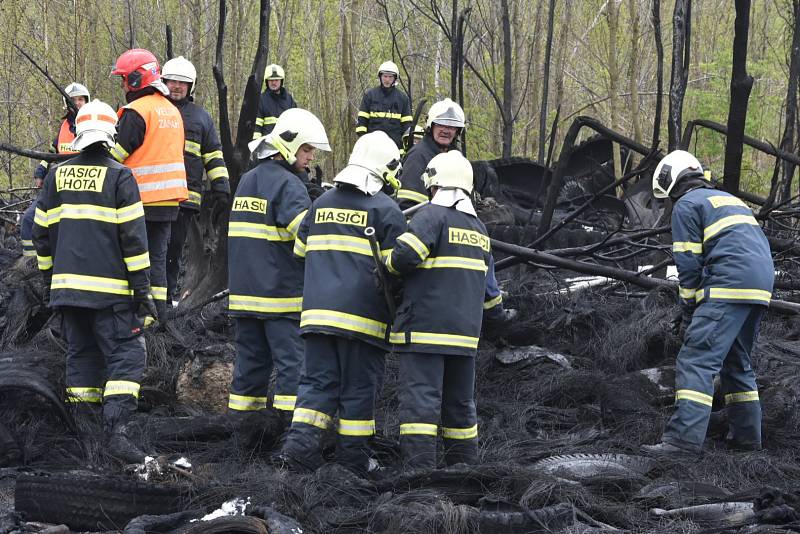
157,164
65,139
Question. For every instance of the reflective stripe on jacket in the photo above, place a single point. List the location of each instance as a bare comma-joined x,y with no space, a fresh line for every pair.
339,295
720,250
264,277
270,107
89,232
387,110
443,259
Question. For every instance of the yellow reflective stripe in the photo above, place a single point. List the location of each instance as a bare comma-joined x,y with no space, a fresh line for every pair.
284,402
138,262
738,294
731,220
217,173
741,396
257,135
460,433
27,242
312,417
192,148
208,156
687,246
119,153
383,115
389,266
414,242
360,129
265,304
259,121
76,394
410,194
158,292
418,429
686,293
121,387
295,224
28,253
90,283
695,396
163,203
44,262
345,321
40,218
129,213
432,338
454,262
43,164
406,118
194,197
721,200
351,427
258,231
299,248
339,243
363,114
243,403
269,120
491,303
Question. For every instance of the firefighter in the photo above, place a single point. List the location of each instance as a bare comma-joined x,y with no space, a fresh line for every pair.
150,142
443,259
79,95
410,140
726,274
345,317
265,280
202,152
443,126
275,99
385,108
91,246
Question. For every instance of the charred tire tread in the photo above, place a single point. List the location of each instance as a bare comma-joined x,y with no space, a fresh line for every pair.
85,502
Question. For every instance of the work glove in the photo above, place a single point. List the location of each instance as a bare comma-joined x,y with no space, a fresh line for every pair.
682,320
145,307
220,198
48,279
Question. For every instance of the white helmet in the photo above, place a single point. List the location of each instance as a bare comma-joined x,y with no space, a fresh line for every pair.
447,113
675,166
375,161
389,67
449,169
272,72
76,89
95,122
180,69
295,127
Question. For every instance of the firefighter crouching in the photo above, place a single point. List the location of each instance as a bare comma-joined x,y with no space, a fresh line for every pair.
91,246
443,260
265,279
345,317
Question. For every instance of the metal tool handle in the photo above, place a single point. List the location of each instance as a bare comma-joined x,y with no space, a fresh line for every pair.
369,231
413,209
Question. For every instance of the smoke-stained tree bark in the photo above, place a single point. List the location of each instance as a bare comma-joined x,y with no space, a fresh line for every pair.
741,85
655,19
551,11
508,96
781,189
681,40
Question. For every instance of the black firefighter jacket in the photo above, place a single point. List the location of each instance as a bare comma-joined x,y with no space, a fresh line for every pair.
387,110
270,107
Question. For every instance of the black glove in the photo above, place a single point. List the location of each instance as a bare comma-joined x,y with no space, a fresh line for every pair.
145,307
220,198
682,320
48,279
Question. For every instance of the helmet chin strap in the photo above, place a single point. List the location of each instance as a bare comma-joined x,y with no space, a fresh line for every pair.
282,150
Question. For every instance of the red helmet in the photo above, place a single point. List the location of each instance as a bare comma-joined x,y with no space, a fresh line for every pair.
138,67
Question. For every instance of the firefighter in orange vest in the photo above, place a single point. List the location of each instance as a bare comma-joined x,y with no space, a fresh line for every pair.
150,142
62,144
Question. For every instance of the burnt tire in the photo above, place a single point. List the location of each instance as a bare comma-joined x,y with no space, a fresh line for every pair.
92,502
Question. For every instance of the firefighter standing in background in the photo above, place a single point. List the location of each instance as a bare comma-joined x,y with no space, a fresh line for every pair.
91,246
202,152
726,275
62,144
275,99
345,317
265,279
385,108
443,259
150,142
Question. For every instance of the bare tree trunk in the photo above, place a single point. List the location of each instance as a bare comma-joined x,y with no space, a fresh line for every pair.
741,85
612,17
782,190
655,17
681,40
546,80
633,70
508,119
455,61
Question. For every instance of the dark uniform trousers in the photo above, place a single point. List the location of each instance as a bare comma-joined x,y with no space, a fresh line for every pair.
262,344
157,241
177,238
105,359
430,384
719,340
341,376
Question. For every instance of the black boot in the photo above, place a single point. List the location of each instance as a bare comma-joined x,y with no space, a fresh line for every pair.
119,444
461,451
302,450
418,452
